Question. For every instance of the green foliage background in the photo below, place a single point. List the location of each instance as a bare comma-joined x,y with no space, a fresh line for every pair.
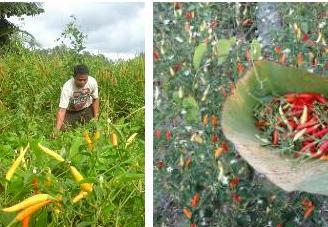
196,58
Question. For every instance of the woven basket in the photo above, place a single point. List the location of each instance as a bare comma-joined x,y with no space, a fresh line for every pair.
271,79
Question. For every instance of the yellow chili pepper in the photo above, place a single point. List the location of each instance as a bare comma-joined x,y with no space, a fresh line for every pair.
88,140
130,140
88,187
96,136
114,139
90,146
51,153
78,178
29,202
16,163
87,137
76,174
80,196
47,179
29,211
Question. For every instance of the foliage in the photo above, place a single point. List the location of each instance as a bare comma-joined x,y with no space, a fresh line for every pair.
30,83
74,35
8,9
193,157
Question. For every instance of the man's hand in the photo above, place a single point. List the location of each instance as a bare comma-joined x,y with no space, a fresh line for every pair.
95,108
60,118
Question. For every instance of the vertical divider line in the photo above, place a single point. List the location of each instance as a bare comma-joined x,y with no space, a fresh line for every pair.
149,113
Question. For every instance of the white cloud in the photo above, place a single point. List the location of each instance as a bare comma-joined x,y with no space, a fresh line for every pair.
113,29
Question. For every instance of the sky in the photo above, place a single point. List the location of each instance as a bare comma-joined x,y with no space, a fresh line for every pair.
116,30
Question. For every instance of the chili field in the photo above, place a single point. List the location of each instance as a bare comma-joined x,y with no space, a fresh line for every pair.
201,50
112,163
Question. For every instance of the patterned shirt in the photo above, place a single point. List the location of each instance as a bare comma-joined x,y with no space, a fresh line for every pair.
73,98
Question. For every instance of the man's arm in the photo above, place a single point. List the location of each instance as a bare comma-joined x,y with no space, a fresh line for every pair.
95,108
60,118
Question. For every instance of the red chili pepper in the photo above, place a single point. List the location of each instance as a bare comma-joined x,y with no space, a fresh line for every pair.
324,147
168,135
321,99
214,24
321,133
176,68
312,129
157,133
240,68
261,124
189,15
236,198
306,142
305,37
304,101
295,113
308,212
310,123
177,5
290,98
309,116
275,137
160,164
234,182
305,97
292,123
215,138
297,107
308,147
155,56
225,147
309,95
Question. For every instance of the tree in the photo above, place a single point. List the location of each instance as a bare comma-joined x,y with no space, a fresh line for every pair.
75,37
15,9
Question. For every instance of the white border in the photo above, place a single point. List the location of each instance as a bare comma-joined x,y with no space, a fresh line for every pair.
149,114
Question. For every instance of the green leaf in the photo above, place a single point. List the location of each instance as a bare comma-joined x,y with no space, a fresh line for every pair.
42,219
223,48
74,149
305,27
189,102
89,180
255,50
85,223
192,108
198,55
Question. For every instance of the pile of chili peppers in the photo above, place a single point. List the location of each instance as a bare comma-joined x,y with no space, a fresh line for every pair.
295,124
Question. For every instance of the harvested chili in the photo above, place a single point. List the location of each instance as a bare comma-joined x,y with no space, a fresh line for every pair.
295,123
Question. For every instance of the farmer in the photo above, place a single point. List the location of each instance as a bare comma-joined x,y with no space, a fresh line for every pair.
79,102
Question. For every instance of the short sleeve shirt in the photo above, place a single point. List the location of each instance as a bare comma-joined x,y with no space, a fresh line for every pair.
73,98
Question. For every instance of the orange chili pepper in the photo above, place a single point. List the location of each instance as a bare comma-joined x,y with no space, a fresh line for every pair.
205,119
187,213
195,200
26,221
